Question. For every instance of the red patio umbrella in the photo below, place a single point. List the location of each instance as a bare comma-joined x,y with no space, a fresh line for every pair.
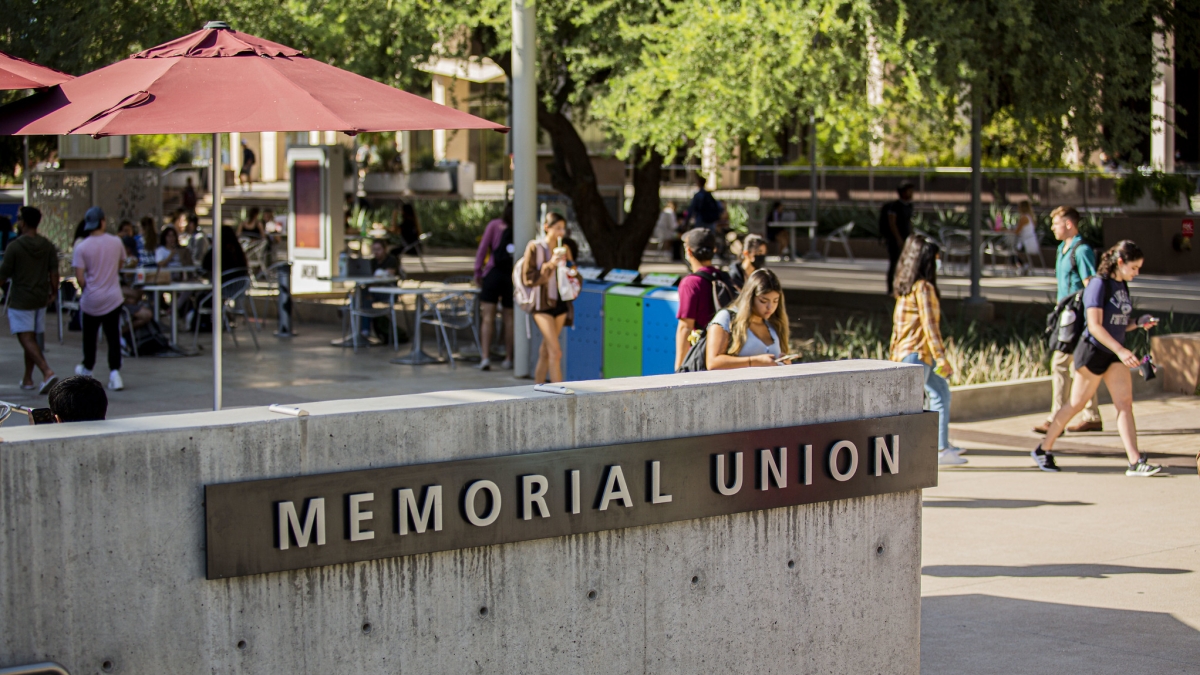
17,73
215,81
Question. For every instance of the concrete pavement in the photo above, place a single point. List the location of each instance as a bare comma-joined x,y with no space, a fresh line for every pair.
1086,571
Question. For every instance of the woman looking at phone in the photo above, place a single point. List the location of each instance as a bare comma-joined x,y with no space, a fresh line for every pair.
753,331
543,257
1101,355
917,332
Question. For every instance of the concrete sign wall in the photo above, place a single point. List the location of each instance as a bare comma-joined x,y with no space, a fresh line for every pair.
103,549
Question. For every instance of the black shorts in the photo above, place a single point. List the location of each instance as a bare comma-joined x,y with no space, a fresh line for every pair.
558,309
497,287
1095,358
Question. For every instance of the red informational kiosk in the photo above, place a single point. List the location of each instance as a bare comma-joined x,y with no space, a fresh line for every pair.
316,216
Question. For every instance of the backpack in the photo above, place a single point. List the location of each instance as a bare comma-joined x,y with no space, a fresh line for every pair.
722,288
502,256
696,359
1065,323
525,296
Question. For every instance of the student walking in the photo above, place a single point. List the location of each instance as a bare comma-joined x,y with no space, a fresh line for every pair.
895,224
1102,355
753,331
97,261
31,263
753,257
543,257
917,332
1074,267
701,293
493,275
704,210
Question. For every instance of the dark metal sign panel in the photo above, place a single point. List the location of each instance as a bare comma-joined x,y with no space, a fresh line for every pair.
281,524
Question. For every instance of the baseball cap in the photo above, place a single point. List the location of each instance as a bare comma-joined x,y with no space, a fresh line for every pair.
701,242
91,219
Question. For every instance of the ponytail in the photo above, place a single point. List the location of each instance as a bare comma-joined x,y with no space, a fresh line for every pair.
1124,251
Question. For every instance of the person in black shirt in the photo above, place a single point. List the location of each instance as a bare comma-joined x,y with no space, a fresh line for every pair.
895,224
753,257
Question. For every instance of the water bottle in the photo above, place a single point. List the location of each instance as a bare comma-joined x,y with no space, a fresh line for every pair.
342,263
1066,325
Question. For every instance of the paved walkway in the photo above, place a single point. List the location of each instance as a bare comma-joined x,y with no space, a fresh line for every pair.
1085,571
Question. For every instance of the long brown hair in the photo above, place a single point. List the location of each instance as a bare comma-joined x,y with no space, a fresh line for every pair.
760,282
1124,251
918,261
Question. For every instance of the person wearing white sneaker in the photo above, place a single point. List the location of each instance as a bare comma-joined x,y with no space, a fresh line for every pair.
493,275
97,261
950,455
917,332
30,263
1101,355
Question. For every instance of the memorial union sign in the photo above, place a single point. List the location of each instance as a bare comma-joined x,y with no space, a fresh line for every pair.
278,524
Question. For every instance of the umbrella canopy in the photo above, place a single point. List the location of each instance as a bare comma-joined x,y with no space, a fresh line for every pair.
218,80
16,73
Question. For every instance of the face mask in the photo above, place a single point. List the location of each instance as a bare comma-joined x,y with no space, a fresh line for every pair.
760,261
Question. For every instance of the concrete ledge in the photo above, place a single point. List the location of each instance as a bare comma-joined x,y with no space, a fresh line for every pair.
1022,397
104,543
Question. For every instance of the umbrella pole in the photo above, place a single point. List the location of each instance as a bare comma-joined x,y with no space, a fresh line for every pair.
218,308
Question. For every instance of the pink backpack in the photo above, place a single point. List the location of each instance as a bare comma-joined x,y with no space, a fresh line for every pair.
525,296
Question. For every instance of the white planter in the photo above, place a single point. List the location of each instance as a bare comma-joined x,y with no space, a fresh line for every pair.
385,182
1146,205
430,181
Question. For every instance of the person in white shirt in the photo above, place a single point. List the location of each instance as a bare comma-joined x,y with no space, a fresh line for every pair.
753,331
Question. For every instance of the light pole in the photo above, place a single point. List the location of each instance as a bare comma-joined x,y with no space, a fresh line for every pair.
524,148
976,307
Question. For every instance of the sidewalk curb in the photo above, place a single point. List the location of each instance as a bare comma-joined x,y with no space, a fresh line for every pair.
973,402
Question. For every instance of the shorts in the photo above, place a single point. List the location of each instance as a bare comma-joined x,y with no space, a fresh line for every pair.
1095,358
27,320
558,309
497,287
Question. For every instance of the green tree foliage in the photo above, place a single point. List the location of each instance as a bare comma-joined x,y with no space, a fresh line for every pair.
739,71
1042,71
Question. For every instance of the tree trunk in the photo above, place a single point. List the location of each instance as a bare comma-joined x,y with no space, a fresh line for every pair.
613,244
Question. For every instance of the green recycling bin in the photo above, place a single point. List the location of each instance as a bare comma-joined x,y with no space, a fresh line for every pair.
623,331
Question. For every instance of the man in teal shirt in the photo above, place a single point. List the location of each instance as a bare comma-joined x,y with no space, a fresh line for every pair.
1072,278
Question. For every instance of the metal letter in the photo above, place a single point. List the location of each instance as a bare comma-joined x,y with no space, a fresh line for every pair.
529,497
808,465
615,488
574,490
469,503
314,512
357,517
737,474
656,495
767,468
833,460
883,455
407,501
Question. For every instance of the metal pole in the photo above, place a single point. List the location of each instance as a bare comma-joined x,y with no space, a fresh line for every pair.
25,172
976,206
524,144
218,308
812,188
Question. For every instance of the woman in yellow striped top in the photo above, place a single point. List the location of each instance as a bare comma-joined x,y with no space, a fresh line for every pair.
917,333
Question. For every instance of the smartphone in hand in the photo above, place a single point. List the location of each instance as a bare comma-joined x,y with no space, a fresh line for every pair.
787,358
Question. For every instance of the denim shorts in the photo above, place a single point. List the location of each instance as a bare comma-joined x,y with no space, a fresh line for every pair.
27,320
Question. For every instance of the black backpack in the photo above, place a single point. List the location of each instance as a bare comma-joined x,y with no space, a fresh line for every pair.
1065,323
722,288
696,359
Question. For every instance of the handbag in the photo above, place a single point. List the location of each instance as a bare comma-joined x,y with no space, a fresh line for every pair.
569,283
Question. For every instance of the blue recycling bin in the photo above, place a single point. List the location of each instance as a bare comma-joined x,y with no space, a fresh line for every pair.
585,339
659,325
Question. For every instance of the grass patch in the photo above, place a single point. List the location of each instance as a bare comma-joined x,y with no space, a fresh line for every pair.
979,353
